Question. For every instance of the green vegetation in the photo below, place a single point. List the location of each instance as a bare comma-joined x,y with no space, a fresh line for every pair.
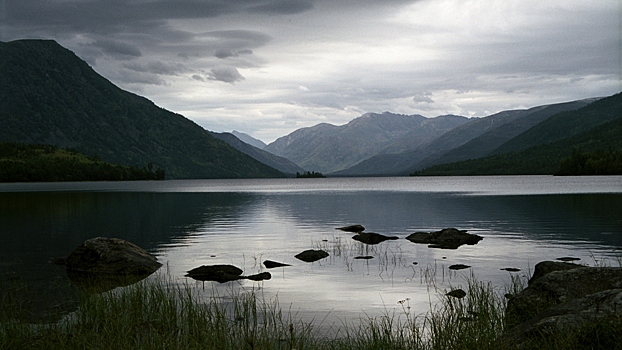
592,163
45,163
310,174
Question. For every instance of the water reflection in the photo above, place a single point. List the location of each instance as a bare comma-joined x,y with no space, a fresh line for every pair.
38,226
190,229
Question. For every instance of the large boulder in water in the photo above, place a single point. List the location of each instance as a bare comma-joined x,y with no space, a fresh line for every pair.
561,286
545,267
449,238
111,256
564,301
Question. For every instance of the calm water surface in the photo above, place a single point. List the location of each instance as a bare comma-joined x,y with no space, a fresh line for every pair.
523,219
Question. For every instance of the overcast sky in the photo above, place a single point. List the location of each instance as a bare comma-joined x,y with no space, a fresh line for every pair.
269,67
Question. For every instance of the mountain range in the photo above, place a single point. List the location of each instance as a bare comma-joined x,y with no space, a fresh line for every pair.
50,96
413,143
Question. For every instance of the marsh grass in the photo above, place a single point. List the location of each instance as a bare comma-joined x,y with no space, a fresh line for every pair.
161,313
158,313
389,256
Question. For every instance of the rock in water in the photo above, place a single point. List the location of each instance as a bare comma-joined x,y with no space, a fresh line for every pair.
372,238
259,277
269,264
567,259
563,301
111,256
311,255
352,228
449,238
218,273
459,267
457,293
545,267
364,257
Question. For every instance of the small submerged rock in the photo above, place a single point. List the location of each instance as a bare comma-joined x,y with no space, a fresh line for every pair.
269,264
449,238
372,238
567,259
459,267
457,293
259,277
510,269
311,255
352,228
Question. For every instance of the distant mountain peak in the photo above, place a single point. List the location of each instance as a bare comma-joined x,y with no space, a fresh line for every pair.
328,148
249,139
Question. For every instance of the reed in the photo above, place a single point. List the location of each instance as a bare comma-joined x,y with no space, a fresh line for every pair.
160,313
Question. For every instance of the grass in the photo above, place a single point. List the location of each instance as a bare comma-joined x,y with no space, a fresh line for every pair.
159,313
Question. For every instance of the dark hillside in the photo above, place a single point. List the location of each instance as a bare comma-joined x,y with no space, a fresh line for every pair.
601,141
50,96
280,163
484,144
567,124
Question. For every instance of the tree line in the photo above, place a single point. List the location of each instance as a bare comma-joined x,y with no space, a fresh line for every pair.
46,163
309,174
592,163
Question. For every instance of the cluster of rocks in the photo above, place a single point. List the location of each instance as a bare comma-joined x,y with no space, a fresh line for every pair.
449,238
561,297
109,258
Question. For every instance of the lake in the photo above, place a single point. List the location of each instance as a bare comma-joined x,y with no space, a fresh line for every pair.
189,223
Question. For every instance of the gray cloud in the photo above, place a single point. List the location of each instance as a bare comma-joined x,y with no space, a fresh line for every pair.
117,49
157,67
423,98
283,7
332,60
103,15
232,53
225,74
